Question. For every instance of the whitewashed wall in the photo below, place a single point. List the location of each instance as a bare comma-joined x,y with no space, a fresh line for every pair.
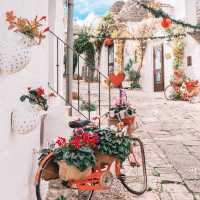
193,49
16,152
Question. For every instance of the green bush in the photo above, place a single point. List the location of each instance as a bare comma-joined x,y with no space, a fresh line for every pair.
134,77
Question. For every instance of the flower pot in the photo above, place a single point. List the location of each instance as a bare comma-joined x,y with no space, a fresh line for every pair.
179,72
25,120
70,172
103,160
16,57
51,171
194,92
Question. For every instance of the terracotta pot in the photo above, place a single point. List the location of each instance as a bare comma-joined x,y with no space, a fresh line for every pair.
108,42
51,172
102,160
179,72
70,172
194,92
178,81
75,96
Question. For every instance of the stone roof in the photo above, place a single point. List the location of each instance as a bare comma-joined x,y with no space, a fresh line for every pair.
132,12
117,7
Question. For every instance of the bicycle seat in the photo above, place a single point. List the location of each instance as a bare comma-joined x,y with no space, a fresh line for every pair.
79,123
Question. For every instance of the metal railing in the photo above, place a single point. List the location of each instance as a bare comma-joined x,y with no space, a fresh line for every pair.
90,95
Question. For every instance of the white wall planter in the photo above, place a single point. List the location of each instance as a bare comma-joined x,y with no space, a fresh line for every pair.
14,58
25,119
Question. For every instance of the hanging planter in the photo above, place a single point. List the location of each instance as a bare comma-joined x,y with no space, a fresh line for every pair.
25,120
15,58
108,42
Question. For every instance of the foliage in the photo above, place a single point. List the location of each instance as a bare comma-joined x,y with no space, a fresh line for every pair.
134,77
83,45
31,28
110,144
129,65
61,198
82,158
85,106
36,97
78,152
106,27
160,13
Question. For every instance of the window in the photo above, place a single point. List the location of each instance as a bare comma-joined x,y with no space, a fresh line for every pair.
189,61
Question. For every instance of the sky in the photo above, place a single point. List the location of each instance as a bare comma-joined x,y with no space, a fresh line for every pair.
87,11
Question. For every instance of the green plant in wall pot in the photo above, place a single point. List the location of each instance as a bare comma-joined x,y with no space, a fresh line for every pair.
86,106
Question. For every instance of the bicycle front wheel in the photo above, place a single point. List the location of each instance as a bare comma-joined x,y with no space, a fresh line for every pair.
169,90
133,173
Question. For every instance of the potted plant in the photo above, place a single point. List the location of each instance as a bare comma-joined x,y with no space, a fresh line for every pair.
17,56
75,158
27,118
111,147
86,106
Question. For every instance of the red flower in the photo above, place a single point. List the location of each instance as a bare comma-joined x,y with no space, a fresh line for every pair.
40,91
61,141
52,94
46,30
75,142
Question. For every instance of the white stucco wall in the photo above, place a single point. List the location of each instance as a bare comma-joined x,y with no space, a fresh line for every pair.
16,151
193,49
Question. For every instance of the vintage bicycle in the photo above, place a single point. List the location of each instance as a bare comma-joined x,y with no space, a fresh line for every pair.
131,173
187,91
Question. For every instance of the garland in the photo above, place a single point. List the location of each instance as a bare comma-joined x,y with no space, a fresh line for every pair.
160,13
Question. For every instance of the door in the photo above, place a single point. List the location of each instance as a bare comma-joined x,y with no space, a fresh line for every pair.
111,59
158,68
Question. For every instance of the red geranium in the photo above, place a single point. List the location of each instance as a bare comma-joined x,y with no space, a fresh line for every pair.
61,141
40,91
76,142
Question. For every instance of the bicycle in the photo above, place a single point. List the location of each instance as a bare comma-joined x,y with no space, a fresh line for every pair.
187,91
131,173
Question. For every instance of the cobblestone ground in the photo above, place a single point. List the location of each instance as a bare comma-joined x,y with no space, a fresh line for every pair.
171,135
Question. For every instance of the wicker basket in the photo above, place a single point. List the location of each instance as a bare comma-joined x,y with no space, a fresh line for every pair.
70,172
128,121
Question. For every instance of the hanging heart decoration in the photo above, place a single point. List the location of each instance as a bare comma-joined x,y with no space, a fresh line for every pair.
117,80
166,22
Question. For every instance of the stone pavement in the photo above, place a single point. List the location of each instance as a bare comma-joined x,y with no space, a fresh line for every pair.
171,134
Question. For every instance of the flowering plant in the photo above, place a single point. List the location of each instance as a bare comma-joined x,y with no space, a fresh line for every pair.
36,97
79,151
31,28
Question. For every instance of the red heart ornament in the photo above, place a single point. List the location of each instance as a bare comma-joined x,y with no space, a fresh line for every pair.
117,80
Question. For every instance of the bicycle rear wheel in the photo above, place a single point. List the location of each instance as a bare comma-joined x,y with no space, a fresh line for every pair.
169,90
133,173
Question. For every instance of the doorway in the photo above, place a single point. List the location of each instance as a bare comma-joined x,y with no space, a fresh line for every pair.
158,68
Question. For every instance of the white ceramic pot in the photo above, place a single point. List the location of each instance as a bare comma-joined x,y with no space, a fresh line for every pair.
14,58
25,120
